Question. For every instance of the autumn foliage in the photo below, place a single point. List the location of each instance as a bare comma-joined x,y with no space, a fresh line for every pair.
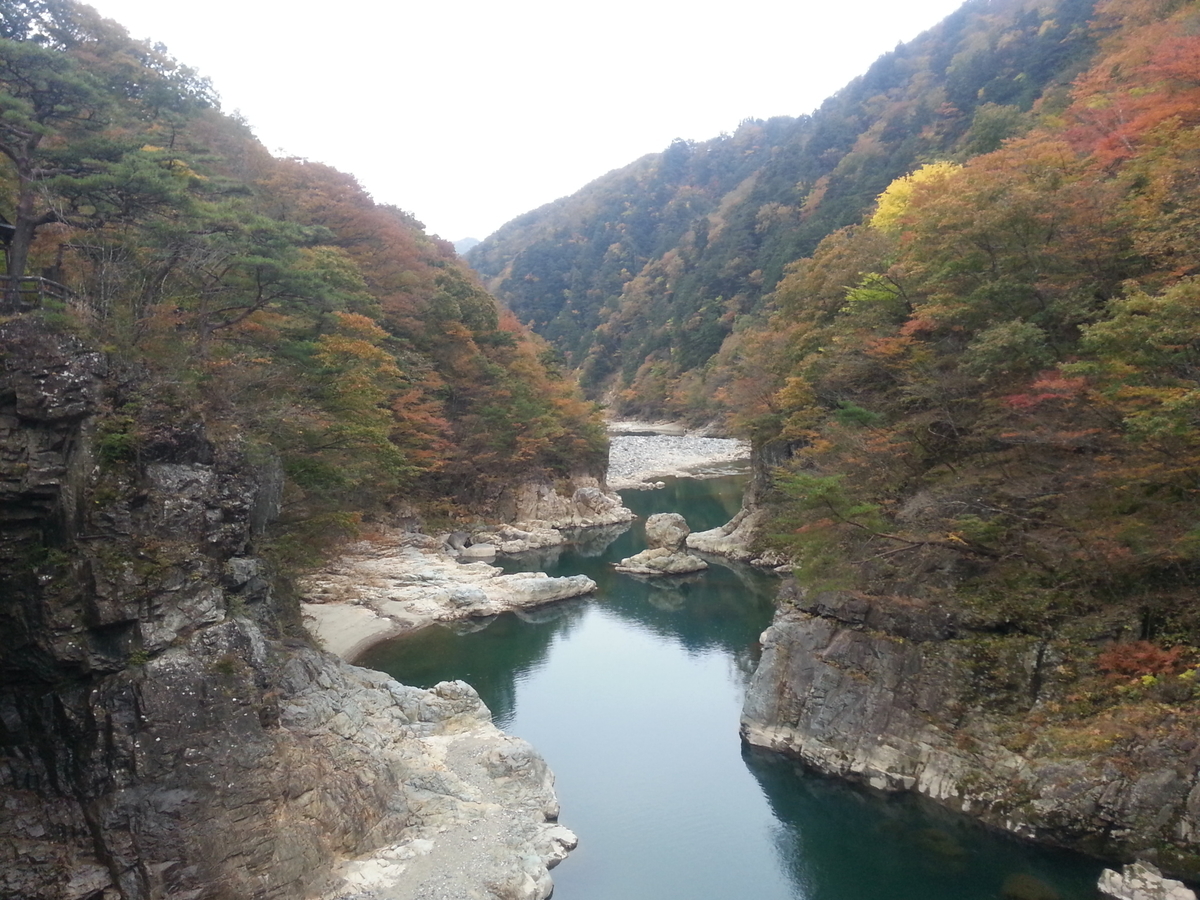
995,378
1137,658
273,295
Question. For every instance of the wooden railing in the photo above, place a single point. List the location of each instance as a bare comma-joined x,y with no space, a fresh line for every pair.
19,295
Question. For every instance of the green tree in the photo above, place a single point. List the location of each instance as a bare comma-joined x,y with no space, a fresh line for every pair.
45,99
81,108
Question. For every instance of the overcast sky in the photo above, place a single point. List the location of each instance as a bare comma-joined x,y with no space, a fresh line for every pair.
470,113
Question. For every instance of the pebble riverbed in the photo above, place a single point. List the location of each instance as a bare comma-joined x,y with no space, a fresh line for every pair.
636,459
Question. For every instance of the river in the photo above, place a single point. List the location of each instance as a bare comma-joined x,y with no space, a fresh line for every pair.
633,697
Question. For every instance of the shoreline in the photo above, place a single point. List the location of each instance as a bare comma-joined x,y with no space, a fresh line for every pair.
643,453
383,588
401,582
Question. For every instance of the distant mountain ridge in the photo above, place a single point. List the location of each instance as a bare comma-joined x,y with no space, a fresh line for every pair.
639,277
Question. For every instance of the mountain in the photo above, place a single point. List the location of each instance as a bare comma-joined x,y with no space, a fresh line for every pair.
639,277
981,410
465,244
272,293
957,311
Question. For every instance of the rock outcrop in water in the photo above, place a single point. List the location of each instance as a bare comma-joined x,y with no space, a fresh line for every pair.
544,516
666,554
902,695
162,735
735,539
739,538
384,587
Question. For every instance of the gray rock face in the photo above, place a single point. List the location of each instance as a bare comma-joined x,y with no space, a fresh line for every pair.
1142,881
535,506
162,736
897,694
233,775
668,531
660,562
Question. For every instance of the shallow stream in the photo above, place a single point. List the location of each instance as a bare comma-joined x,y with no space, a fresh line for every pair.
633,697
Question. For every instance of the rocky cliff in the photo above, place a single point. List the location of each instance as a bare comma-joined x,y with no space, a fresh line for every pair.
904,694
741,537
164,731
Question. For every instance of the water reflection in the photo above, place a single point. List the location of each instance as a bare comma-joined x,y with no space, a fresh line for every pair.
491,654
901,846
704,503
726,607
633,697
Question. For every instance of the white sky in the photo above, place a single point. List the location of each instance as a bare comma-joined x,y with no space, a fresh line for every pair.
468,113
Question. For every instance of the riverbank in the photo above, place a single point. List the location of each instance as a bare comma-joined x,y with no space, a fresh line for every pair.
633,697
906,693
484,810
643,453
401,582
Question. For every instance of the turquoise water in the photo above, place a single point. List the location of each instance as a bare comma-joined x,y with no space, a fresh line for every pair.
633,697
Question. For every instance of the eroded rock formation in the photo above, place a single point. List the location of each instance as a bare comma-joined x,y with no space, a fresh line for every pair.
666,554
382,588
900,694
160,732
584,502
739,538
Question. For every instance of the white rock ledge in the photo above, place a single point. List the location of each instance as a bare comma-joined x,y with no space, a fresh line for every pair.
735,540
383,588
1141,881
660,561
666,554
479,805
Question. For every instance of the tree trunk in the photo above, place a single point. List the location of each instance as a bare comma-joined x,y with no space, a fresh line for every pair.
28,221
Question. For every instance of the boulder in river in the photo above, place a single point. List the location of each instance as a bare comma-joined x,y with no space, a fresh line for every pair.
666,533
667,530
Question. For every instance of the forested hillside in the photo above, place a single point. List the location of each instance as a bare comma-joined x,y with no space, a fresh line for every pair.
272,299
640,277
983,407
957,311
1000,365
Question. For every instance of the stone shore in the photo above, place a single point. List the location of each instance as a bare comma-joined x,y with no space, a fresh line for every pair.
385,587
401,582
641,454
487,813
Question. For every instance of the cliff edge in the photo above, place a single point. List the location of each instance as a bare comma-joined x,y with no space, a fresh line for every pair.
904,694
164,731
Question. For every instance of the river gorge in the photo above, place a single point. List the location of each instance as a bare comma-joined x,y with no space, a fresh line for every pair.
170,731
633,695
